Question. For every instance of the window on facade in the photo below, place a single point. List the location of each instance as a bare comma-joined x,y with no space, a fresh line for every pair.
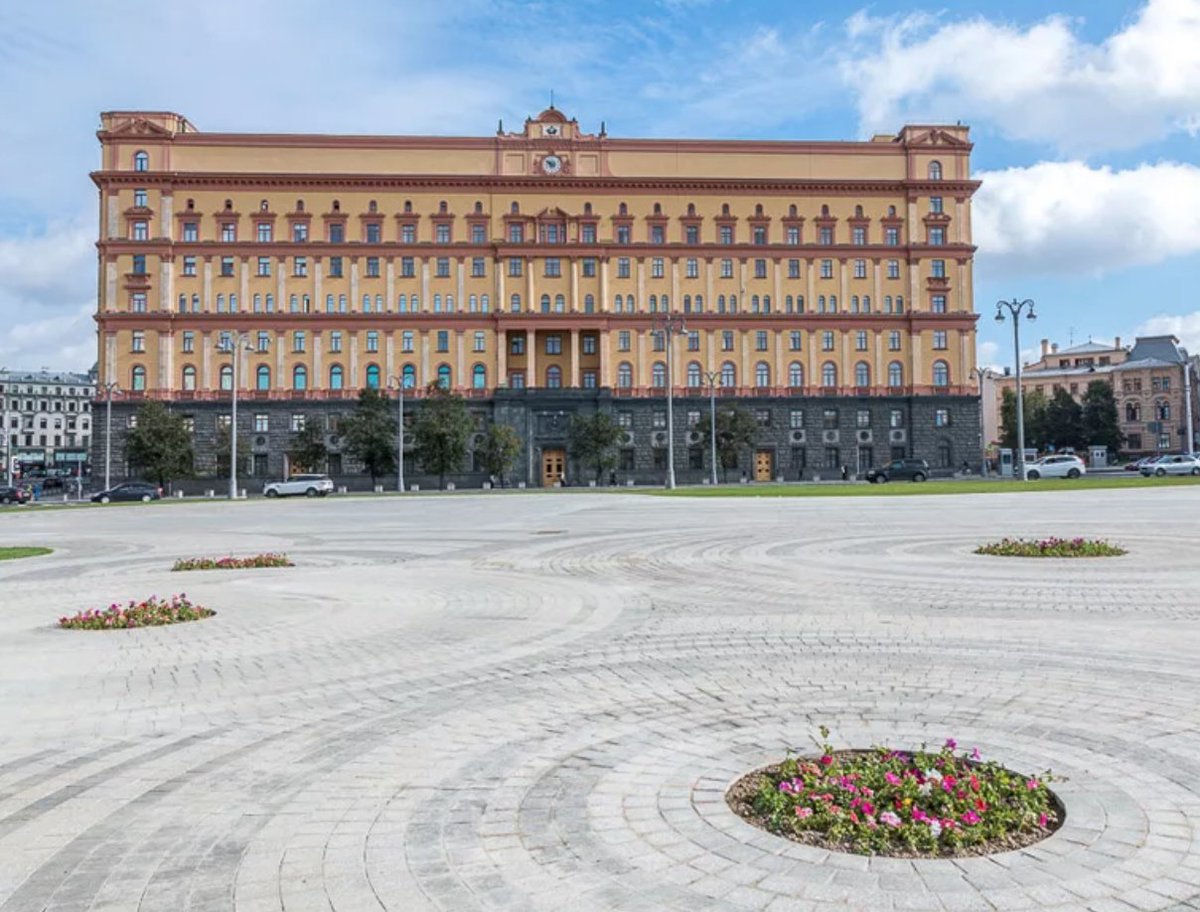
895,374
827,269
941,373
189,378
728,375
141,161
762,374
862,374
937,269
443,267
935,170
300,267
860,340
553,344
941,418
829,374
727,340
624,375
939,339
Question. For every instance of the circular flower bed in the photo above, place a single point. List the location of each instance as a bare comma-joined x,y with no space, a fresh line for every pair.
233,563
153,612
888,802
1051,547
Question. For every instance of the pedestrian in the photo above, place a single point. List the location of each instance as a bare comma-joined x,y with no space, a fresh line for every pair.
612,478
845,473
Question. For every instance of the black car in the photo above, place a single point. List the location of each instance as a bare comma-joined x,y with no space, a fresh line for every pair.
900,470
130,490
14,495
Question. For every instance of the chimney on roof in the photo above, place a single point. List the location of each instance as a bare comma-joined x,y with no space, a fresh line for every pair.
1117,342
1054,349
1045,347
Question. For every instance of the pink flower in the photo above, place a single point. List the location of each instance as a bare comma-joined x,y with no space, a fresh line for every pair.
1042,821
890,819
975,755
1032,784
826,760
892,778
970,818
803,812
951,744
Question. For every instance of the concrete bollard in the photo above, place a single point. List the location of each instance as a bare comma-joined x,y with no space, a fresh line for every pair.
705,481
487,485
592,483
378,489
415,488
210,493
341,489
179,495
629,482
521,485
449,486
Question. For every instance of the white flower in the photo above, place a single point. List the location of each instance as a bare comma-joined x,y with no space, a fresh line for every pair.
924,789
935,828
933,774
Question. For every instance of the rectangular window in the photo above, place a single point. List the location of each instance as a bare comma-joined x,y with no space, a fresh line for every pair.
827,340
760,340
516,234
623,234
337,233
408,268
862,418
827,269
300,232
623,340
939,339
762,417
227,266
858,236
374,232
796,419
692,268
938,304
891,236
896,419
825,236
860,269
189,342
443,340
760,269
298,341
297,423
553,344
372,340
191,231
335,267
657,234
228,232
937,236
408,234
480,341
625,420
792,235
141,231
263,267
656,268
553,267
441,234
726,234
893,269
589,343
622,267
659,419
406,341
793,269
478,268
935,205
693,341
794,340
829,419
588,267
478,234
372,267
263,231
140,198
937,269
759,236
941,418
137,302
335,341
894,340
517,346
860,340
727,340
138,343
300,267
189,265
262,423
691,235
727,269
443,268
514,267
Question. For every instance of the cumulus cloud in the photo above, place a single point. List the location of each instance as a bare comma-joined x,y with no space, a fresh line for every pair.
1040,83
1185,327
1068,217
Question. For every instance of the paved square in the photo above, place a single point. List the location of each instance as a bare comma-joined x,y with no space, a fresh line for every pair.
536,702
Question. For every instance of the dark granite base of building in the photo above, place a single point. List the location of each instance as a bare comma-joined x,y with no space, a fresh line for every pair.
799,438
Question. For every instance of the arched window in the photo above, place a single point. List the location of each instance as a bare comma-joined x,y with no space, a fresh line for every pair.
450,303
372,206
899,304
554,377
720,304
796,374
1162,411
618,304
762,374
687,304
754,304
336,377
560,304
829,374
485,305
833,304
935,171
733,304
262,378
699,304
366,304
820,303
866,304
624,375
437,303
1133,411
658,375
941,373
589,304
514,304
545,303
408,376
693,374
444,376
622,209
853,304
728,375
479,377
402,304
653,303
329,305
373,376
887,304
189,378
138,376
862,374
226,376
183,299
299,377
766,304
895,374
141,161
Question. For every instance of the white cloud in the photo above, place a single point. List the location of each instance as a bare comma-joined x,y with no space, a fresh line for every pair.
1040,83
1185,327
1067,217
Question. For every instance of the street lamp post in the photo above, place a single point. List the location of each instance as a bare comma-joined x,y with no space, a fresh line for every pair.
398,383
1015,309
711,377
109,389
237,342
668,324
4,426
1187,404
982,374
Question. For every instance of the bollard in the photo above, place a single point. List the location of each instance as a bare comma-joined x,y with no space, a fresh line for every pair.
378,489
521,485
487,485
705,481
629,482
210,493
449,486
592,483
415,487
179,495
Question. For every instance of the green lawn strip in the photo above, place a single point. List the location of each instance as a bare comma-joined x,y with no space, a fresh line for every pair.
15,553
903,489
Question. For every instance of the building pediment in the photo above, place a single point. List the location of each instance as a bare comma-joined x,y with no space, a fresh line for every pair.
138,126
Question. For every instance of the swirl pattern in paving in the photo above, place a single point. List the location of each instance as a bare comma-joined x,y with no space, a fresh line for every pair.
510,702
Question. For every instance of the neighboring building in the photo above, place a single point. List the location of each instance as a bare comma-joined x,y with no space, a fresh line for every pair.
828,285
47,416
1147,381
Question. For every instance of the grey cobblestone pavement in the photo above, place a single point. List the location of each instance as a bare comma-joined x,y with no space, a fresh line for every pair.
537,702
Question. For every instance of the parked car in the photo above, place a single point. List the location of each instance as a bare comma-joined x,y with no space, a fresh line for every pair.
1136,465
1172,465
129,491
899,470
1057,466
14,495
308,485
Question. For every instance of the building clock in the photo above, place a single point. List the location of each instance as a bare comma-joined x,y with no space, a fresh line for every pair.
552,164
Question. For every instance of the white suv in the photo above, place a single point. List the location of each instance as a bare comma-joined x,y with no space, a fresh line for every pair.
308,485
1061,466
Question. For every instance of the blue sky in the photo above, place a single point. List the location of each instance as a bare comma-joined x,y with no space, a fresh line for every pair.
1085,117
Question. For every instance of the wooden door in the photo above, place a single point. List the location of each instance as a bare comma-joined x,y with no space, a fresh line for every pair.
762,465
553,467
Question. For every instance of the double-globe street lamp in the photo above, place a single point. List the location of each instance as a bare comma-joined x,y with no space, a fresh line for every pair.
234,343
1015,309
109,389
982,374
711,377
399,384
668,325
8,479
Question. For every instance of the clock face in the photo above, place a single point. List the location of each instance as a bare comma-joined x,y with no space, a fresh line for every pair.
552,164
550,130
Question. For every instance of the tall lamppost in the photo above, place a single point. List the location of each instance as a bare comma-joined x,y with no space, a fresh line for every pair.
982,374
1015,309
711,378
398,383
109,388
669,324
235,343
4,426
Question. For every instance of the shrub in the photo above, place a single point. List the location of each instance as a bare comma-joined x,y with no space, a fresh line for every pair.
1051,547
892,802
152,612
233,563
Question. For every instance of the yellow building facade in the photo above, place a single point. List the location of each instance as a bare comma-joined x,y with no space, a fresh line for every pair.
535,260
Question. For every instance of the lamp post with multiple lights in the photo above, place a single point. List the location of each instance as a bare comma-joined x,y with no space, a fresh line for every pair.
235,343
669,324
982,374
109,388
1016,309
398,383
711,377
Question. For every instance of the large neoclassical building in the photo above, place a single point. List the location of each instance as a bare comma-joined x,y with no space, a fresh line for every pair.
827,286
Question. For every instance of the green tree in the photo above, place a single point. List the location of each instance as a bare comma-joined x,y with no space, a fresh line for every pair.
440,432
1101,422
499,450
307,451
736,430
593,440
370,434
221,444
1064,421
1035,420
160,446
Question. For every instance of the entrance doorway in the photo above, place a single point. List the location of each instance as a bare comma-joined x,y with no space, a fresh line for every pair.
553,467
763,464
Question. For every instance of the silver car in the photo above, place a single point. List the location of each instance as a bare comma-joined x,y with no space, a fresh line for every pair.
1060,466
1172,465
308,485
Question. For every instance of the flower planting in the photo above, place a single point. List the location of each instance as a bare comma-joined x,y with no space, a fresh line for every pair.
1051,547
233,563
935,803
152,612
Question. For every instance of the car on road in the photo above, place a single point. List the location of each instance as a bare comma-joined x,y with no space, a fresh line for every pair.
899,470
129,491
14,495
308,485
1172,465
1058,466
1136,466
